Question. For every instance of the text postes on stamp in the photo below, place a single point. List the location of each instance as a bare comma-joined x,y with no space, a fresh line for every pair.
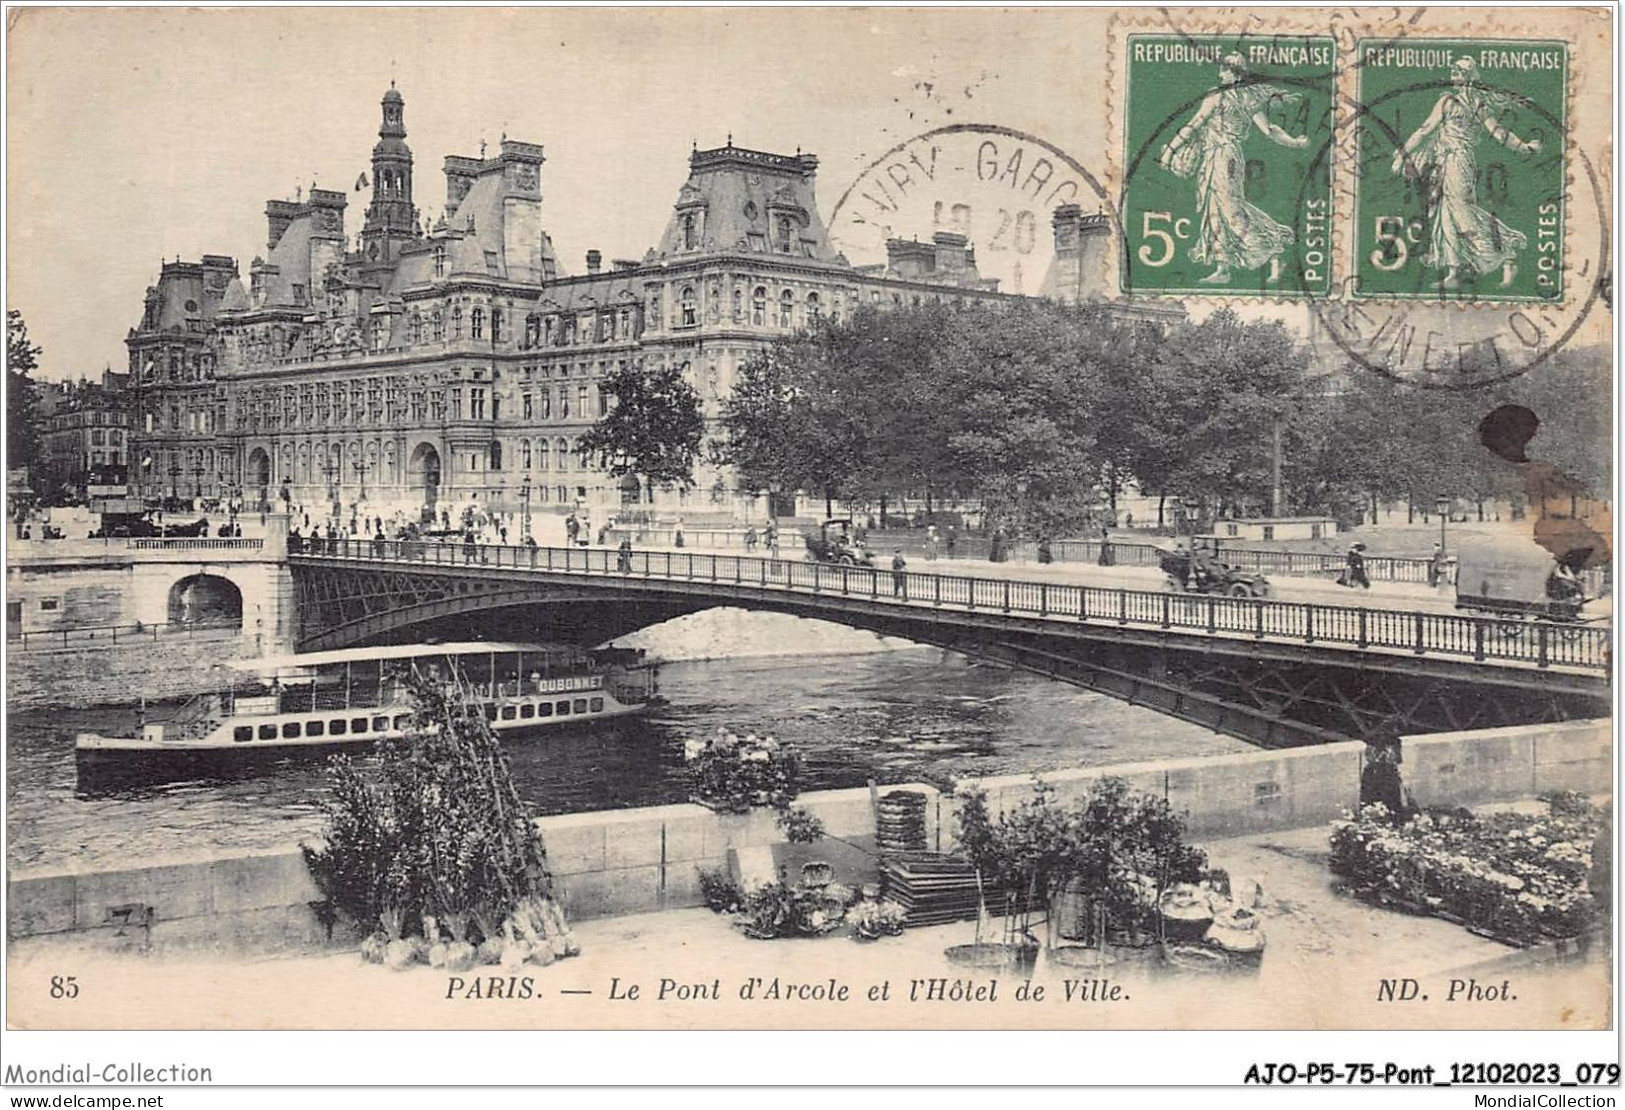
1222,190
1460,186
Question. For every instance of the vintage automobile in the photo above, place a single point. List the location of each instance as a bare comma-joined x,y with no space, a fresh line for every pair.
1198,569
835,544
1515,577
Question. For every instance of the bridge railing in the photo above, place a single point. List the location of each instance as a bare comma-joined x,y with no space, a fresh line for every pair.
97,635
1542,643
196,543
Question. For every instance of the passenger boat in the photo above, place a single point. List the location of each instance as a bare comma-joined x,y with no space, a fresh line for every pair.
322,702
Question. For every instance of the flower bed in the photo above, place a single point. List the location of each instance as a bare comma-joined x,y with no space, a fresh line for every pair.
733,773
1515,877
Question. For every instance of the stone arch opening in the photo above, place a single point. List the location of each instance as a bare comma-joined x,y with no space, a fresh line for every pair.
424,471
259,472
205,599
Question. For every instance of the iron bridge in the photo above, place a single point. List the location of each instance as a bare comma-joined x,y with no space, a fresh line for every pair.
1272,673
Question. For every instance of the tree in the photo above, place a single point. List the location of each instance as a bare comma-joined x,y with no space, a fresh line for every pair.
654,429
22,402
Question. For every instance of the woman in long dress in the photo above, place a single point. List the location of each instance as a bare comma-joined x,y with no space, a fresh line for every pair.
1461,235
1233,234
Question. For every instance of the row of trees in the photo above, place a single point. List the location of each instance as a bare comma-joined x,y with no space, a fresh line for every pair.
1047,412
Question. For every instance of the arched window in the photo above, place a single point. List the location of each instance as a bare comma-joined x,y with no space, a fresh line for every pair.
625,323
812,308
437,326
476,324
758,306
541,454
688,232
561,449
377,335
440,260
689,316
496,325
784,234
457,321
739,305
417,328
533,329
583,459
496,455
524,454
547,331
787,309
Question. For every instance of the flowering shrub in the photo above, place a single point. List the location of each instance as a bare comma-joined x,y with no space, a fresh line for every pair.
721,893
785,909
733,773
873,920
1520,877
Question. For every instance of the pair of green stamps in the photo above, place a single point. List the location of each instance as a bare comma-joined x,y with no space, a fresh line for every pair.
1238,171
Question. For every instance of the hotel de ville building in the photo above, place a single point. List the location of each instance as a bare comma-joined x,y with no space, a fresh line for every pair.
452,361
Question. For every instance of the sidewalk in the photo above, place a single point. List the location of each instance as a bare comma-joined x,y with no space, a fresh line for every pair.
1327,956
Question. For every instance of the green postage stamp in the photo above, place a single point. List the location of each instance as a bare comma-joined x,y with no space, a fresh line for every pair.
1460,184
1227,187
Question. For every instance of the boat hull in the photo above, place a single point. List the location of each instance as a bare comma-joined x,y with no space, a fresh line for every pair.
108,764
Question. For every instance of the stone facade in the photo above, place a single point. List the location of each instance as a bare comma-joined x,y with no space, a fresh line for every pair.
85,429
444,364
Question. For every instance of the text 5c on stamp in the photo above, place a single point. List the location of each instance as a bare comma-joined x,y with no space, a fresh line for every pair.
1460,187
1222,189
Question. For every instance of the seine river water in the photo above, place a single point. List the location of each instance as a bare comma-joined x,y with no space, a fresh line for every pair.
897,716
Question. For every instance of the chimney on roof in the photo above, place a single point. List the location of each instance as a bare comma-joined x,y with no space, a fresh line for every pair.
278,215
595,261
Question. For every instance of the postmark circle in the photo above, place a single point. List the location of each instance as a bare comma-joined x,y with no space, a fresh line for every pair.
1429,333
997,186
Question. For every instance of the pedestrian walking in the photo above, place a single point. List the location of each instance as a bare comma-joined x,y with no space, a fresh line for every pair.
468,545
931,541
1045,554
530,543
899,575
677,533
996,554
623,556
1436,565
1354,568
378,544
1107,556
572,528
773,540
952,542
750,540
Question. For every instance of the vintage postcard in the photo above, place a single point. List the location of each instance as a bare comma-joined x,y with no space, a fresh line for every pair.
1062,518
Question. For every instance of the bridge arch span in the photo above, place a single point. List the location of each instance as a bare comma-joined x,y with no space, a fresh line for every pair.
205,598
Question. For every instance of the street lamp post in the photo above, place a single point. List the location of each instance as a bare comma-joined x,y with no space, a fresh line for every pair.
197,479
331,472
174,481
1443,505
361,468
524,502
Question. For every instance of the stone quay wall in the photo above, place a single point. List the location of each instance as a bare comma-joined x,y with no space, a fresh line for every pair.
641,860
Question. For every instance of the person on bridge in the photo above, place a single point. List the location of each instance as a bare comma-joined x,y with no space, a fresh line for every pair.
899,576
623,556
952,542
378,544
468,545
1355,568
773,540
677,533
530,543
750,540
1436,564
572,528
931,543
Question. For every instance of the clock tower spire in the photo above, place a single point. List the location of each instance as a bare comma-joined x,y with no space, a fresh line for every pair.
391,218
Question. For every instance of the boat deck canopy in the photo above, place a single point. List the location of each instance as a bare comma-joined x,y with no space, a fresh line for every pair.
272,663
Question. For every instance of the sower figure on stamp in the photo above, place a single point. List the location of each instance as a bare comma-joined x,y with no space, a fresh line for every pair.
1461,235
1233,233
